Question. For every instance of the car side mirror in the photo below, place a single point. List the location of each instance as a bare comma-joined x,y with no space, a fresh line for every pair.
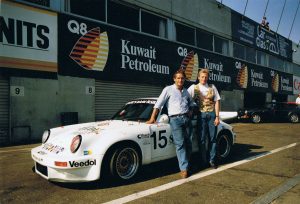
164,118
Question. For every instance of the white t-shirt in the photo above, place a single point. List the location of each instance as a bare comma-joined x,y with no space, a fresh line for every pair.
298,100
204,89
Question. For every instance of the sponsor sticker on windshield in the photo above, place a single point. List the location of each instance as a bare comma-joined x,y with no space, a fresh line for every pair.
148,101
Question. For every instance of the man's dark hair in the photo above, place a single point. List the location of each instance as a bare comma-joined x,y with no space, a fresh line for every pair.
179,71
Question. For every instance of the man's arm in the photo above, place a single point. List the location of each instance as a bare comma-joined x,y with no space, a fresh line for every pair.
159,103
191,90
153,116
217,111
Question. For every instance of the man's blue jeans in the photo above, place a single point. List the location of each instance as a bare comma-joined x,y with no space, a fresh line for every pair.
207,128
181,137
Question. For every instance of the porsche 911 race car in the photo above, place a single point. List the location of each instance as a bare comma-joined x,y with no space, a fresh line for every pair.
83,152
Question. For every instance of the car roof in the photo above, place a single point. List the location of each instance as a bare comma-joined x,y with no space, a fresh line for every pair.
147,98
292,103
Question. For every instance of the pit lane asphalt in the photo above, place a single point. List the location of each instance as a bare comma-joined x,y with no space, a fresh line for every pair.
241,184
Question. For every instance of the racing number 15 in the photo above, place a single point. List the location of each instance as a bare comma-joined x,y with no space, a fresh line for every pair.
162,139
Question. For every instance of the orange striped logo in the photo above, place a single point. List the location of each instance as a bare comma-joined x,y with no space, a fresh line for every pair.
91,50
275,83
191,66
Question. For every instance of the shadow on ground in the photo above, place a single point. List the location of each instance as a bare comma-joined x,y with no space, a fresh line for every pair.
165,168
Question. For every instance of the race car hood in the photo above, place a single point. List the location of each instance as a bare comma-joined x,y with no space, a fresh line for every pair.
96,128
93,134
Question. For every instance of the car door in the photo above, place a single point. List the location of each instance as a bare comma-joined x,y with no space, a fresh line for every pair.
161,140
270,111
281,111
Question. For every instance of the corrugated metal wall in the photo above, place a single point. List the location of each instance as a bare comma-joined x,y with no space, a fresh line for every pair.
111,96
4,110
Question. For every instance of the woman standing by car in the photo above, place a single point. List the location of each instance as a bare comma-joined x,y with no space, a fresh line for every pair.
208,99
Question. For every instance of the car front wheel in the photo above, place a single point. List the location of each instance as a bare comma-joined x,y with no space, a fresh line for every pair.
294,118
124,163
224,145
256,118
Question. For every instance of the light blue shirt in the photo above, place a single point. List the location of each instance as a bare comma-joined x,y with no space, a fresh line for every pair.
177,101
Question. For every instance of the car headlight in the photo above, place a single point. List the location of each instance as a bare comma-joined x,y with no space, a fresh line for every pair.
75,144
45,136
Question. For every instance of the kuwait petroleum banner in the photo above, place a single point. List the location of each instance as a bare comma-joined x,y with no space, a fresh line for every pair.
252,77
96,50
296,84
28,37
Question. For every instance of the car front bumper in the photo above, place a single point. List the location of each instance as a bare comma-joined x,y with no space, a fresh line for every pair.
57,168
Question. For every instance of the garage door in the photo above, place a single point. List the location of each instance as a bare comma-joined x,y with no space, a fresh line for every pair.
111,96
4,110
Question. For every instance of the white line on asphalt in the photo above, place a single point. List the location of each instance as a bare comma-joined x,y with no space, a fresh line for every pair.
15,150
278,191
173,184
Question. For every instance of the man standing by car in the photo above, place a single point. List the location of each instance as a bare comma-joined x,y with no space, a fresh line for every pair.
208,99
298,99
178,102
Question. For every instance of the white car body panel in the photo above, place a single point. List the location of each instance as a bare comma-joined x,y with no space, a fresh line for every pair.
227,115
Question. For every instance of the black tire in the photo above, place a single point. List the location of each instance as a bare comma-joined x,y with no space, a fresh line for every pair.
224,145
294,118
256,118
124,163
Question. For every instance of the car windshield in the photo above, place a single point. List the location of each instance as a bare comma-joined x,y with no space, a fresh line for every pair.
134,112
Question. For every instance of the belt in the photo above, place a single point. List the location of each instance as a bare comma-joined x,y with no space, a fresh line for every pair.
177,115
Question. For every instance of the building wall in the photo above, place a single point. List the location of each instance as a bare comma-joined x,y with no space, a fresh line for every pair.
201,14
73,97
40,106
232,100
44,100
296,55
36,108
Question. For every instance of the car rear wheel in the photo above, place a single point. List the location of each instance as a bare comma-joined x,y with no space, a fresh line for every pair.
256,118
224,145
124,163
294,118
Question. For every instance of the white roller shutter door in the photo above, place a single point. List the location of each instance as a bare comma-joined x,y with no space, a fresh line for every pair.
111,96
4,110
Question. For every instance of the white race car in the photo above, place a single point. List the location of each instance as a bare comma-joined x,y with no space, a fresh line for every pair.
83,152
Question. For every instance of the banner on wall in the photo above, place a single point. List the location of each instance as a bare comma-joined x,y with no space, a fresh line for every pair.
250,32
259,79
296,84
28,37
221,69
95,50
281,82
90,49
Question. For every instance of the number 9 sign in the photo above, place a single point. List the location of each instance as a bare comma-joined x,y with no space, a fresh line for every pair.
17,90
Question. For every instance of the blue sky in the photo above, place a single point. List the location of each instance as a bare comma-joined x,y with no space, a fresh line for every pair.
273,9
